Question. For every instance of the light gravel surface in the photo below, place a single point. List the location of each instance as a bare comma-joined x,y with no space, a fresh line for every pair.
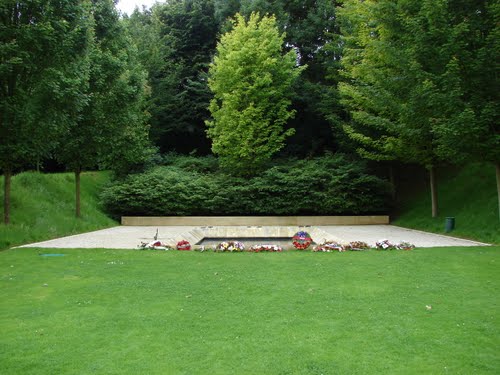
130,237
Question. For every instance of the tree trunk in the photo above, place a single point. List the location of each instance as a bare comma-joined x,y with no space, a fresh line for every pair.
6,196
432,180
77,197
497,167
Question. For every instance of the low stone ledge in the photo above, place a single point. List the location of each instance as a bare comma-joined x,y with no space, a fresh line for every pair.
253,220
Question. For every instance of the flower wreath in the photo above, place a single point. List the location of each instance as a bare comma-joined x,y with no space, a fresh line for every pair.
357,246
155,245
405,246
261,248
384,245
328,247
183,245
301,240
230,246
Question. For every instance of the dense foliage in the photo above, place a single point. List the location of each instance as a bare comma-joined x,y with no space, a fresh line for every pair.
325,186
177,41
43,73
71,88
420,80
251,79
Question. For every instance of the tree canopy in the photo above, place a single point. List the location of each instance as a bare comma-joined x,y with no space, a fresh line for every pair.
414,80
251,79
43,74
70,88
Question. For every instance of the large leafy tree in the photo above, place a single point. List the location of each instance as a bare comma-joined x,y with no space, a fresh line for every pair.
312,31
467,126
251,80
176,42
110,131
396,54
421,81
43,73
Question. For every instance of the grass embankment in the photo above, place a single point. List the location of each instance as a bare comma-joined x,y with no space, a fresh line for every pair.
146,312
469,195
43,207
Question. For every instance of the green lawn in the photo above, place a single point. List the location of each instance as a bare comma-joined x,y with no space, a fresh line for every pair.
145,312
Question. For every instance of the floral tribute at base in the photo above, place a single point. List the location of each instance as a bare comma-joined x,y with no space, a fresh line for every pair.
357,246
301,240
328,247
154,245
230,246
264,248
384,245
183,245
405,246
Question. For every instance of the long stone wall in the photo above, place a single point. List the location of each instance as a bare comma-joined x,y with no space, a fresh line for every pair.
253,220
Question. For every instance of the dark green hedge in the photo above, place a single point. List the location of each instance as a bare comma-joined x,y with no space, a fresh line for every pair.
330,185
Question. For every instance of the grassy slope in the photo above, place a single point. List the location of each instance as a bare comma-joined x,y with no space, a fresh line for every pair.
43,207
468,195
146,312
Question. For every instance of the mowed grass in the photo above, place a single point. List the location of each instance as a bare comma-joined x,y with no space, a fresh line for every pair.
43,207
146,312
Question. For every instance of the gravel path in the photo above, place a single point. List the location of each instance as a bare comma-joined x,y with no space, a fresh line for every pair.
130,237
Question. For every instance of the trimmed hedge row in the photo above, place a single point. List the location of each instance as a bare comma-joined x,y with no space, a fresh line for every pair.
329,185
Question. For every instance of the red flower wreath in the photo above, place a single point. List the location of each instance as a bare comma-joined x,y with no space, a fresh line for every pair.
183,245
301,240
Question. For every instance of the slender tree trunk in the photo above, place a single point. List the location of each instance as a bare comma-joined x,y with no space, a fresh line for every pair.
6,195
497,167
77,196
432,180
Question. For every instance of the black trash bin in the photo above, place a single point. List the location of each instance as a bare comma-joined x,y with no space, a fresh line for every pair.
449,224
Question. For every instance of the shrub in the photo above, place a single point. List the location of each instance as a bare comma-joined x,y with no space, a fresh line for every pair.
330,185
163,191
204,164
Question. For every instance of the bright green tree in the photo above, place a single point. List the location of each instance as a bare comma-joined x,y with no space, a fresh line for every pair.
251,80
312,31
43,73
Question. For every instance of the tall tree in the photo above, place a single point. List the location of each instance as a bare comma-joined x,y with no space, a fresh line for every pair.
312,30
110,130
42,75
394,53
184,36
467,126
251,81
